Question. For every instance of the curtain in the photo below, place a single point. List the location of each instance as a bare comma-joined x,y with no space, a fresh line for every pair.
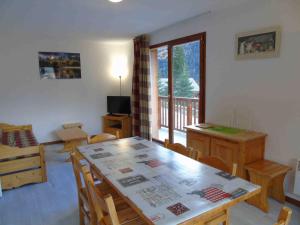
141,88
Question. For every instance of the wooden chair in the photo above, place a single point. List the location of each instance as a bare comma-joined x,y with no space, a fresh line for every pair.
105,210
83,204
222,218
181,149
284,217
83,200
103,137
217,163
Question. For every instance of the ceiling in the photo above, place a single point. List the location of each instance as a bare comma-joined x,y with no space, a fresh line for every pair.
100,19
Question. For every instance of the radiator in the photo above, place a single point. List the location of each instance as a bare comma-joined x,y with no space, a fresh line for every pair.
297,179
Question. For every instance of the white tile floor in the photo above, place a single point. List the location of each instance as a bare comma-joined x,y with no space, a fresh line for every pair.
179,137
55,202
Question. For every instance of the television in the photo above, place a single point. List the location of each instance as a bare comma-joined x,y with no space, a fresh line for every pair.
118,105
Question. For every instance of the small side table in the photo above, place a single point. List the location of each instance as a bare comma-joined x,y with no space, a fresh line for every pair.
72,125
72,138
270,176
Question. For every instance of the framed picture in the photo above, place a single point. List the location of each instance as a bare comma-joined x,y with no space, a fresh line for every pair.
59,65
264,43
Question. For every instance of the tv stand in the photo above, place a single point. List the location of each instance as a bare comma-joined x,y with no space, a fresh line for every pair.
114,115
114,123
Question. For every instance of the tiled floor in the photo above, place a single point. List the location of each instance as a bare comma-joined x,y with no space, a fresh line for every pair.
55,202
179,137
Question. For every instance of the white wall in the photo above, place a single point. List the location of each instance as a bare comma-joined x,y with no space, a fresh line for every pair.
265,92
47,104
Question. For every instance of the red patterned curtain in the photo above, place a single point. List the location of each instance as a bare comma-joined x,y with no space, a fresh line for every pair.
141,88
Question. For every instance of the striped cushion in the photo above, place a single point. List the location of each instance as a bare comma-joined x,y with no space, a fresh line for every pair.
21,139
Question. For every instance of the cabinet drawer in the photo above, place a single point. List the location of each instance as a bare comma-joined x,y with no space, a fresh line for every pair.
225,150
198,142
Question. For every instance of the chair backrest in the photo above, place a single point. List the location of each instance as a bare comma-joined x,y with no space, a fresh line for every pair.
77,169
194,154
284,217
82,171
181,149
218,164
103,137
102,205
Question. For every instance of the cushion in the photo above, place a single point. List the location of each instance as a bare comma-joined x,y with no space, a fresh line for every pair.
21,139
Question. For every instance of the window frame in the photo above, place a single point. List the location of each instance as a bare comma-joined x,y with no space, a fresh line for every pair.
202,73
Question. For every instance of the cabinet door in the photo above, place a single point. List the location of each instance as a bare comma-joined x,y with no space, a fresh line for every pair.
225,150
198,142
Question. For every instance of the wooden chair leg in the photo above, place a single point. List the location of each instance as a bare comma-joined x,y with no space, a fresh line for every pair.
227,222
81,213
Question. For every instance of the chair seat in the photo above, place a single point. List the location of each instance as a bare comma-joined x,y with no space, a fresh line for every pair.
105,189
126,216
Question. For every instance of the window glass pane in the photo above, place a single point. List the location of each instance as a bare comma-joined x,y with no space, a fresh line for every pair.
186,87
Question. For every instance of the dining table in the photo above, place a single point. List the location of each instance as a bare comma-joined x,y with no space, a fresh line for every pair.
162,186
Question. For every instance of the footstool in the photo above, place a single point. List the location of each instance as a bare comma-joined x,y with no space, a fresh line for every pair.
270,176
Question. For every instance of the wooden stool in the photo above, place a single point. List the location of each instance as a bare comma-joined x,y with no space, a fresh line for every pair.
270,176
72,137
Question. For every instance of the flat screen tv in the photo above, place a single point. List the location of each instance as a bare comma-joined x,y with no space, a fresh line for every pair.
118,105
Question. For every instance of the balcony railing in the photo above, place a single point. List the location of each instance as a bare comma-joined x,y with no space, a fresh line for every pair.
186,112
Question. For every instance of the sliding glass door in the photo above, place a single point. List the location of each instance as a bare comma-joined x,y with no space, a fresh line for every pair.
186,88
178,87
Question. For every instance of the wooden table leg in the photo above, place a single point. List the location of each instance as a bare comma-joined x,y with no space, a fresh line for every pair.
67,147
277,191
261,200
70,146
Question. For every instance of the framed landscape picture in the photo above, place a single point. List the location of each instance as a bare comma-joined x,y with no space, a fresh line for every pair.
59,65
264,43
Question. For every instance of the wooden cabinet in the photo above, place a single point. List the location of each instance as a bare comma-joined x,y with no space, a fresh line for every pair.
241,148
121,123
199,142
225,150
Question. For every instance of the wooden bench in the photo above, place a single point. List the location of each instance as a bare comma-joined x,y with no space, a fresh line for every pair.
270,176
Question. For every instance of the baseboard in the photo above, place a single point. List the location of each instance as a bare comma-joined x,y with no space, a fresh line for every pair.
293,201
58,141
53,143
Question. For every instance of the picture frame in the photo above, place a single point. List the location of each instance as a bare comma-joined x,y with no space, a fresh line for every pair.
59,65
262,43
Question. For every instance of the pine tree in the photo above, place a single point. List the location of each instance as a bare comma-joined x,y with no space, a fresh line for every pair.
162,88
181,83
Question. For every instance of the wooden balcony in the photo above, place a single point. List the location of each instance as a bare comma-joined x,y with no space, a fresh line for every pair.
186,112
